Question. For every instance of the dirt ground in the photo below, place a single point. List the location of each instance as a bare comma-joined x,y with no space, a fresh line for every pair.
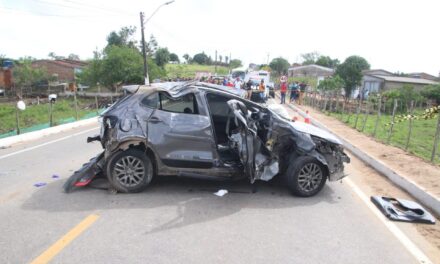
427,237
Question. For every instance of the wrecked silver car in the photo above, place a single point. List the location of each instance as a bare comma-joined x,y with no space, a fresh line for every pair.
207,131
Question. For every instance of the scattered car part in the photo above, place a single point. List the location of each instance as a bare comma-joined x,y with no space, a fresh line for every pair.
402,210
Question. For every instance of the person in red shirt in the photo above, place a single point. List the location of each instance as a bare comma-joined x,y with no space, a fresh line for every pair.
283,91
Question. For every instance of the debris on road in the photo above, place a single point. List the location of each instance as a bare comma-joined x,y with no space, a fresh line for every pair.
40,184
402,210
55,176
221,193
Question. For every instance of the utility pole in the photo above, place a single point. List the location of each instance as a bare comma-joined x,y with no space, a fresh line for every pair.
144,52
215,63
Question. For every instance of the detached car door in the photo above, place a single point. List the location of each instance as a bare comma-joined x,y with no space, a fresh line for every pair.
179,134
256,158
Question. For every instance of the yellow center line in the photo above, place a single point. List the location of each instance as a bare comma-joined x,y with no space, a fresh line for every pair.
56,248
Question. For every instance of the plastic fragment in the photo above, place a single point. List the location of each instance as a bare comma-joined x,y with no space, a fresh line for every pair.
221,192
40,184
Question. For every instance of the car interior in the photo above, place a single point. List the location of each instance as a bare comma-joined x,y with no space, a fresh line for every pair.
224,125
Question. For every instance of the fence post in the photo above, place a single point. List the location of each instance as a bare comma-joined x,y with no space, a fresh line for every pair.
367,110
411,111
358,110
50,113
96,102
111,99
324,107
390,132
17,120
76,105
379,108
437,135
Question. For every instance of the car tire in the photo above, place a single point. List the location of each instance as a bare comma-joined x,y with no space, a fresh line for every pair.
305,176
130,171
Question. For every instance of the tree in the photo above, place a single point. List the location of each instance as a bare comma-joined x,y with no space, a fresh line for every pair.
201,58
187,58
235,63
123,38
151,46
351,72
73,57
220,57
432,92
54,56
25,75
331,84
279,65
310,58
174,58
226,59
326,61
162,57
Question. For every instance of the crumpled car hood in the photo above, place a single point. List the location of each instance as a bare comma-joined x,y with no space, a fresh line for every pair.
315,131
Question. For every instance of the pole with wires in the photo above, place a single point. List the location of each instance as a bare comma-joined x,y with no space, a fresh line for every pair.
144,52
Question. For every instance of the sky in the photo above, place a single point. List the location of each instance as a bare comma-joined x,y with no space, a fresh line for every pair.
393,35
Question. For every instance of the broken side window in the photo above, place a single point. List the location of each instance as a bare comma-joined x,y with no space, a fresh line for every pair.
186,104
151,101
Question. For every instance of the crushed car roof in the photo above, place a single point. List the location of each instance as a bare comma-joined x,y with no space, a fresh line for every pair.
178,88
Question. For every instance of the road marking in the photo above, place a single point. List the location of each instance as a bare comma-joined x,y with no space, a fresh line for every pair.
407,243
56,248
45,144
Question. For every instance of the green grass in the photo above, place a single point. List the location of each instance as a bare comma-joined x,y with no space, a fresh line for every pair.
422,137
189,70
39,114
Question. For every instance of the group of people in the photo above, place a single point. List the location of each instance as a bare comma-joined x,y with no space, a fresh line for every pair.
295,89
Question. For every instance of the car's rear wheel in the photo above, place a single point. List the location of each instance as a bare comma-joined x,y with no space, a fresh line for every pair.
130,171
305,176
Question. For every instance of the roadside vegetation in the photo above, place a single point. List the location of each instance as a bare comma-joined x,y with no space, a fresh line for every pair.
189,70
413,126
38,114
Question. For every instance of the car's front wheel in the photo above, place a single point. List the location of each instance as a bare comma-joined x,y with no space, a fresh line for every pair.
130,171
305,176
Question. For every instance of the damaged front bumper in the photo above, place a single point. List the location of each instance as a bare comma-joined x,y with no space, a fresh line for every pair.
86,174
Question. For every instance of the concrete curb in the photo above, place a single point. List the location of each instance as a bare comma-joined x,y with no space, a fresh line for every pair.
7,142
426,198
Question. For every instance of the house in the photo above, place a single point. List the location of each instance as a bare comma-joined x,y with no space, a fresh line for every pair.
374,83
65,69
424,75
312,70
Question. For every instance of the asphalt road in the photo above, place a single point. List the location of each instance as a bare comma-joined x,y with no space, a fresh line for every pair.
176,220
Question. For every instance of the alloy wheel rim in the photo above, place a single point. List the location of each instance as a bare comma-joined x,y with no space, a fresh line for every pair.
129,171
310,177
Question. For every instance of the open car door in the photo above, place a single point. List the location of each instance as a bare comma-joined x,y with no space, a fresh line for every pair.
257,160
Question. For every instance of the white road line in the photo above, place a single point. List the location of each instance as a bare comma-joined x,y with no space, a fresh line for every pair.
45,144
407,243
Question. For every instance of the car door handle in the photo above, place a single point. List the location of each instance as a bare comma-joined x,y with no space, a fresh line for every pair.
155,120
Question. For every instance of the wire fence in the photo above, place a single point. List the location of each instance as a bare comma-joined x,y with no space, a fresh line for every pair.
43,113
413,125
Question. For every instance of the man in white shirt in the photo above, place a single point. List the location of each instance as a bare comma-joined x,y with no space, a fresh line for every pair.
238,83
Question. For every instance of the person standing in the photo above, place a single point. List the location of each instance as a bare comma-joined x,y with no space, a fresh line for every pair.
262,89
237,83
302,90
283,91
293,89
249,89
